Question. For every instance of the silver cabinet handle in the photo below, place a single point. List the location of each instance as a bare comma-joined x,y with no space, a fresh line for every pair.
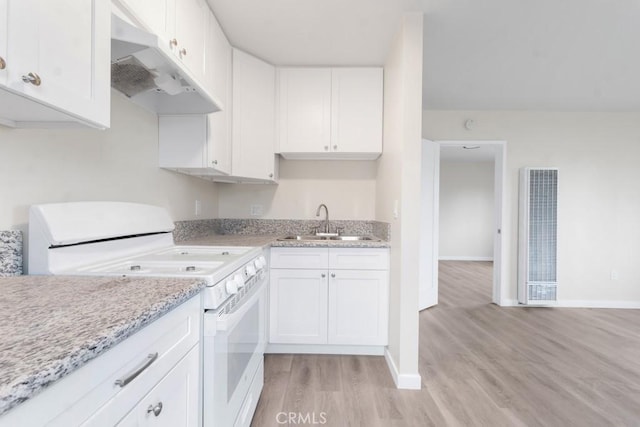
173,42
183,52
155,409
333,275
32,78
270,175
323,275
326,148
131,376
3,63
335,147
215,162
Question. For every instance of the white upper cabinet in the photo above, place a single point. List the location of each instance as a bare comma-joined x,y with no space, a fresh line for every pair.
304,110
356,110
330,113
253,151
155,15
200,145
191,20
219,69
187,144
56,62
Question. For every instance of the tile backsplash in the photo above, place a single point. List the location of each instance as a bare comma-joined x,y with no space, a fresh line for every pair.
186,230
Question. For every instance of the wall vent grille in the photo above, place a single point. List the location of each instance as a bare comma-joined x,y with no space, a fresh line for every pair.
538,231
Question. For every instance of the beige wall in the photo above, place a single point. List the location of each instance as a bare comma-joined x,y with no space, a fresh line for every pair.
466,210
399,180
346,187
121,163
599,193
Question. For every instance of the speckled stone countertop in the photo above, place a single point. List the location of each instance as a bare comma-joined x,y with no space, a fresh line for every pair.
266,240
52,325
10,253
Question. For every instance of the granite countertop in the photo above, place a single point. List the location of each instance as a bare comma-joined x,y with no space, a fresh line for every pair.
266,240
52,325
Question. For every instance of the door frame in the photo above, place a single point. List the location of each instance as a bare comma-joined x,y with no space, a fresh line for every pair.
430,224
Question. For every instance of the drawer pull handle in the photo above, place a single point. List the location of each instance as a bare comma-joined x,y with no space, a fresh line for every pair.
130,377
333,275
323,275
155,409
3,63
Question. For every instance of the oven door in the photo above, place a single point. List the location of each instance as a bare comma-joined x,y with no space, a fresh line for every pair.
233,352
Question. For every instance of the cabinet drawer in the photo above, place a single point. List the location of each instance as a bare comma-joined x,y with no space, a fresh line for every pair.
359,259
299,258
89,396
174,401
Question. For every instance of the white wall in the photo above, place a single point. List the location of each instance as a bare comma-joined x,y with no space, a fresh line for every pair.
466,210
348,188
121,163
399,180
599,193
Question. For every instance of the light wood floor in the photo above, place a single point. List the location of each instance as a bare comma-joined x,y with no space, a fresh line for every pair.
481,365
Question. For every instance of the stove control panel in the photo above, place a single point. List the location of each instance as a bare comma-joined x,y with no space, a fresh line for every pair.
237,284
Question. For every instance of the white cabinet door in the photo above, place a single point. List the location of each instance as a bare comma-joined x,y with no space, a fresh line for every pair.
218,67
185,143
174,401
358,307
156,15
3,42
191,19
298,306
59,53
253,118
356,110
304,97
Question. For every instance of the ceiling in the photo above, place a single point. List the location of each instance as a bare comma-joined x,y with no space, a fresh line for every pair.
547,55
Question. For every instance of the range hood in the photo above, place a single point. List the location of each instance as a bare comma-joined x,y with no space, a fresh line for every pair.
151,76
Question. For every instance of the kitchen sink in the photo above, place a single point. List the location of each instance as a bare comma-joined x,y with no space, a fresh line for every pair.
314,238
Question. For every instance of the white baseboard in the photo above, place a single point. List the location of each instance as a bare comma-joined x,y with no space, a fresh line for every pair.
369,350
578,304
403,381
598,304
465,258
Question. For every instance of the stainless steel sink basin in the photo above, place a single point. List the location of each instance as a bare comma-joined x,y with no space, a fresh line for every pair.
352,238
313,238
307,238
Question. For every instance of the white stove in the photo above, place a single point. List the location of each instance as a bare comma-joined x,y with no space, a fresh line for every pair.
129,239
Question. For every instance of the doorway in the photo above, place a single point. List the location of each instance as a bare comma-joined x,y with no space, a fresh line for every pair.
430,206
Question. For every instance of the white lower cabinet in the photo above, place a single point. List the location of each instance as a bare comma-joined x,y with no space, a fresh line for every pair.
174,401
158,364
298,306
358,307
333,305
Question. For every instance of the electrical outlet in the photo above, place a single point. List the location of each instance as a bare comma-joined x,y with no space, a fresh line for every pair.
614,275
198,208
256,210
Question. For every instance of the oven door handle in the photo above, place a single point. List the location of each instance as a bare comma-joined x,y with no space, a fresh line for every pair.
228,321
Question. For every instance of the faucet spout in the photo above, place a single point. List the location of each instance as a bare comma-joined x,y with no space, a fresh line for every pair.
326,218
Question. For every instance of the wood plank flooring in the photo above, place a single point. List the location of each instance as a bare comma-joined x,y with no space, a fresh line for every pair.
481,365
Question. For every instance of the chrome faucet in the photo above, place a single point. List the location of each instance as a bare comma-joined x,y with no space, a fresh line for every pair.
326,218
